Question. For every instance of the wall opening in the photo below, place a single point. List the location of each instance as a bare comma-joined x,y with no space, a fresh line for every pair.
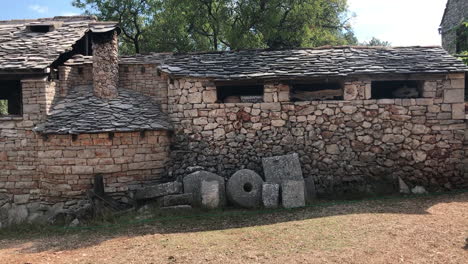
240,93
11,102
466,86
320,90
396,89
40,28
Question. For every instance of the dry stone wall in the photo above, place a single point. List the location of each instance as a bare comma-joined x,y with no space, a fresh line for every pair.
342,144
105,65
71,76
144,78
126,160
19,145
455,13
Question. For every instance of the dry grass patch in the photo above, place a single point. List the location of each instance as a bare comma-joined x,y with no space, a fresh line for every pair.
420,230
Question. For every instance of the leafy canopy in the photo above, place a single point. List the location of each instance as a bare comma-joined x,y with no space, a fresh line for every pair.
196,25
377,42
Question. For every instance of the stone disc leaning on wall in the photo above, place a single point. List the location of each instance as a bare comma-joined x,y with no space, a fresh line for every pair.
244,189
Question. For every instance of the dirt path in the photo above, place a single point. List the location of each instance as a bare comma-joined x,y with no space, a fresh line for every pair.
421,230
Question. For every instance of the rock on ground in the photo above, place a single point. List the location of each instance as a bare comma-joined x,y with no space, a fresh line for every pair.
210,194
281,168
244,189
293,194
158,190
192,184
270,195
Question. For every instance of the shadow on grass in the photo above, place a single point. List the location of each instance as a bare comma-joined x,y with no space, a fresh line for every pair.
165,222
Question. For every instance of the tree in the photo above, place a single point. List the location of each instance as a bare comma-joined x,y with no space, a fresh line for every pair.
3,107
377,42
134,16
196,25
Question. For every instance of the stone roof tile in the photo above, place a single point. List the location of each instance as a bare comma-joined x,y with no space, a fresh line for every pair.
318,62
82,112
21,49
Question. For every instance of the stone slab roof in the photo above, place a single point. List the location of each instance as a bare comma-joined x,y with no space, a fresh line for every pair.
152,58
23,50
82,112
318,62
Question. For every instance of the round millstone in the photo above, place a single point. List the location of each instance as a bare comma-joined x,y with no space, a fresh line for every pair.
244,189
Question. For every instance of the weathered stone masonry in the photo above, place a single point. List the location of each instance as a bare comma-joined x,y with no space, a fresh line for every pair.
102,115
127,161
340,143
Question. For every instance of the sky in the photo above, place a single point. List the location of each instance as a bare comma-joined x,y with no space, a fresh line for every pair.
401,22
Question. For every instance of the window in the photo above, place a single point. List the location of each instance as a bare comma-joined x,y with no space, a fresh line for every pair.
317,91
40,28
10,98
240,93
466,86
396,89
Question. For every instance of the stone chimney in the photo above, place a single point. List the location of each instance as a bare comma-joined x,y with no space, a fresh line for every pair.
105,65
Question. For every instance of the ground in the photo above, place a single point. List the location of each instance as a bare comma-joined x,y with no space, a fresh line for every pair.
427,229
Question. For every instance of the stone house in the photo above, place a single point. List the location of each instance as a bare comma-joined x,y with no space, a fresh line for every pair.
454,37
358,117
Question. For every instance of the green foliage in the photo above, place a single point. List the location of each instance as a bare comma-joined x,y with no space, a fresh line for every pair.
462,37
377,42
3,107
134,16
199,25
464,56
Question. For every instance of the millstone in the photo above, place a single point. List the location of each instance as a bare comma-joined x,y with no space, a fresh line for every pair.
244,189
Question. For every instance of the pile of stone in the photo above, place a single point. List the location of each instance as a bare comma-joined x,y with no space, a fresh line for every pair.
284,185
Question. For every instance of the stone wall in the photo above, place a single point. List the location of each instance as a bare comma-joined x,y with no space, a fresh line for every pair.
456,12
19,177
41,175
144,78
127,160
71,76
105,65
341,143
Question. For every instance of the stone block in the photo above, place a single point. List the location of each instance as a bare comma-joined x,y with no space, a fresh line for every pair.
175,199
244,189
454,96
271,106
21,198
310,191
158,190
292,194
278,123
210,194
458,111
209,97
17,214
281,168
195,98
457,83
270,195
82,169
192,184
107,168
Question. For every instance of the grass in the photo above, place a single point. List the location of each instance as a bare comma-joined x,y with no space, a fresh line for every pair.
428,229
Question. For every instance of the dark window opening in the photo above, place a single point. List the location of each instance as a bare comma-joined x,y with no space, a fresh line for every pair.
240,94
396,89
317,91
466,86
10,98
39,28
